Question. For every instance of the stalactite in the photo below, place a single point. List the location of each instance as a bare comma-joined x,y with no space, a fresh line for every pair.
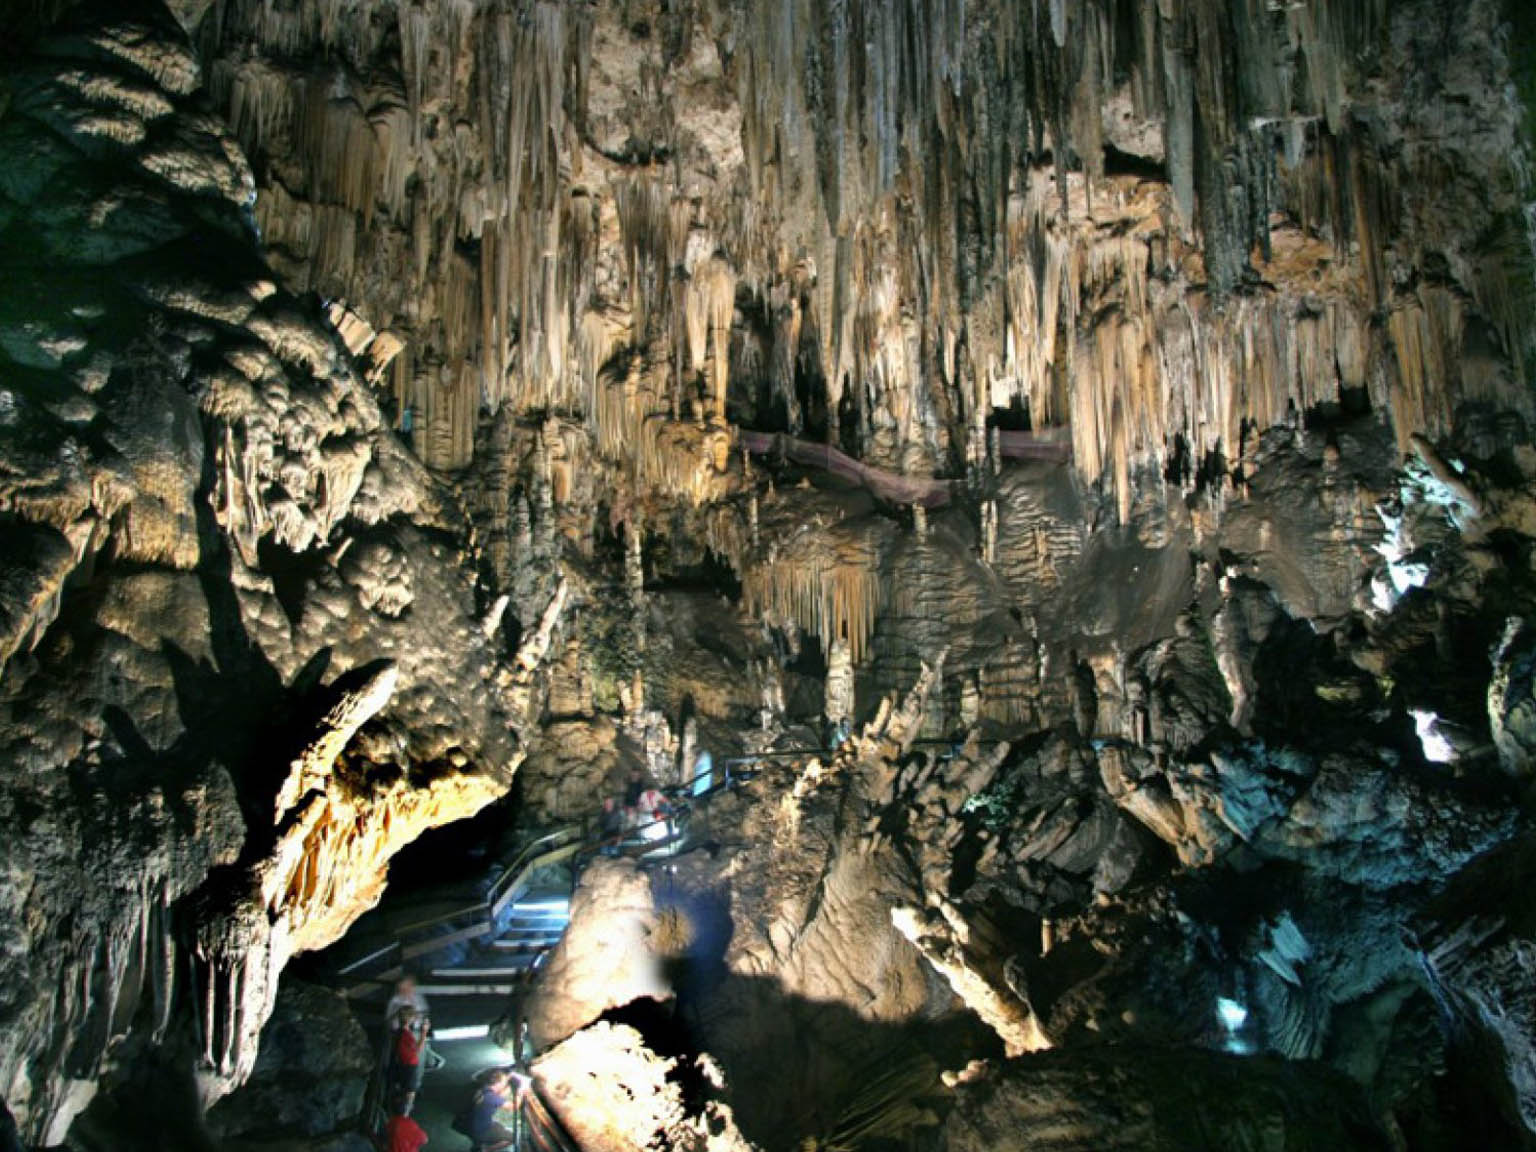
922,214
415,54
827,581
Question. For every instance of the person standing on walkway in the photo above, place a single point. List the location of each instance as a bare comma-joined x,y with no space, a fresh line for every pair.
405,1060
633,790
611,827
402,1134
406,995
654,809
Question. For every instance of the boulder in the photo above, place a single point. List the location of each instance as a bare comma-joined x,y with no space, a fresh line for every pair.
606,958
613,1094
311,1073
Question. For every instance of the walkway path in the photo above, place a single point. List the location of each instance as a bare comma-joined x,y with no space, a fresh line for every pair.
1051,445
474,961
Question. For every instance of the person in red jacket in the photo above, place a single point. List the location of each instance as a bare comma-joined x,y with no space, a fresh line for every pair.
402,1134
405,1061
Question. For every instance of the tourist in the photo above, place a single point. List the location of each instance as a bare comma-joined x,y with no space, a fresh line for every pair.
481,1121
633,790
407,995
654,809
402,1134
405,1056
611,827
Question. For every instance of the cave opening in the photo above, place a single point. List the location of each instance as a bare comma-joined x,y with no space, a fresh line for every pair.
1351,405
676,564
1015,417
465,854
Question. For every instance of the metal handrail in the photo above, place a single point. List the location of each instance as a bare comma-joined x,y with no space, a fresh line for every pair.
683,794
568,842
377,953
490,900
518,885
523,857
411,937
790,753
548,1134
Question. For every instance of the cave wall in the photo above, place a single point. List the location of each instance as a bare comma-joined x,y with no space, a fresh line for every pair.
1149,236
220,569
1148,227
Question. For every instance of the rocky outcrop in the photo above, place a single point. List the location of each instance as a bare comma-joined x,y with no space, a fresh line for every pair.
1512,698
614,1094
311,1073
1131,1099
218,721
608,957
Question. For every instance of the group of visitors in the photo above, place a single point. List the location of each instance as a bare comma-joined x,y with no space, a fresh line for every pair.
408,1029
407,1025
644,811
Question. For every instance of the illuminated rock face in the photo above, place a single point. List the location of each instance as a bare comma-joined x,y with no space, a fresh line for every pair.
217,724
612,1093
1198,680
1162,230
609,956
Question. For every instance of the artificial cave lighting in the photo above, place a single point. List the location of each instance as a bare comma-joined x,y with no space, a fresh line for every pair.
1437,749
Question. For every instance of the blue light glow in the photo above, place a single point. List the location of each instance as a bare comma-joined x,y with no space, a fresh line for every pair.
1232,1014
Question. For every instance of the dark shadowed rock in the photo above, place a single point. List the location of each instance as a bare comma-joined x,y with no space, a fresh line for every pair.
310,1076
1165,1100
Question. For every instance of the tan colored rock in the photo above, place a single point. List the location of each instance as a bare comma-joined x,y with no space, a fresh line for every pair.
946,949
606,958
612,1094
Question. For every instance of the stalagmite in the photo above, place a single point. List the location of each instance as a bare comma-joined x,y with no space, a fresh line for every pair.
944,948
838,707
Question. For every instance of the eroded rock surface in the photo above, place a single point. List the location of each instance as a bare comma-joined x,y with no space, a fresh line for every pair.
216,730
612,1093
311,1073
609,956
1133,1099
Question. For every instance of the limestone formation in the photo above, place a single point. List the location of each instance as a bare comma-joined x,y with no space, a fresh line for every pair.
192,464
608,957
312,1072
613,1094
1122,1099
1067,465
